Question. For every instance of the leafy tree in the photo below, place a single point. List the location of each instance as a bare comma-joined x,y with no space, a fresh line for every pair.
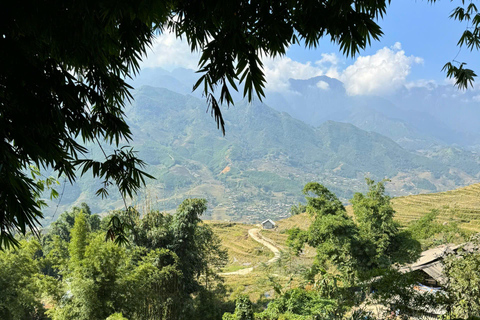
374,217
19,292
62,226
93,286
462,270
243,310
154,288
78,241
196,246
153,230
431,233
332,232
63,70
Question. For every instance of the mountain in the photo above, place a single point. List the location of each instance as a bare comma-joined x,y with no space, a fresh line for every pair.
417,118
257,170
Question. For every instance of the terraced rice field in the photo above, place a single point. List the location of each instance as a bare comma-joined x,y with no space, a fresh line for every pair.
243,251
460,205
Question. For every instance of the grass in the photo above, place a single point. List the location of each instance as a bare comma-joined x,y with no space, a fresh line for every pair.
243,251
460,205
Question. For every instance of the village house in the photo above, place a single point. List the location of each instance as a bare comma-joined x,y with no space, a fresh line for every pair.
268,224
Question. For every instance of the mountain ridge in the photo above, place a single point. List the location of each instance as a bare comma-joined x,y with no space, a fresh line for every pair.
259,168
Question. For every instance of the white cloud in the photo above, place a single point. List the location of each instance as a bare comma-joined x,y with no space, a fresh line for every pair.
328,58
397,46
381,73
422,83
476,98
323,85
169,52
279,70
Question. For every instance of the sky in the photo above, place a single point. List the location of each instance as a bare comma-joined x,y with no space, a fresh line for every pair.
419,38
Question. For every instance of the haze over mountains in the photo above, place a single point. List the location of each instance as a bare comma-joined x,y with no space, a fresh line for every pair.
312,132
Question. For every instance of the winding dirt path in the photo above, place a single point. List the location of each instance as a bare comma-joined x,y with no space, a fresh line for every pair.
257,236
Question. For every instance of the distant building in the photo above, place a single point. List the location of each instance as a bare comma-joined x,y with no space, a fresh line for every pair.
268,224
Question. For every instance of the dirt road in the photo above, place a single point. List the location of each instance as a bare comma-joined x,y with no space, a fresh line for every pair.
257,236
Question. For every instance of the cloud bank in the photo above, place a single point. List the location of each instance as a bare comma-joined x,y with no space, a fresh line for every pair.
168,52
379,74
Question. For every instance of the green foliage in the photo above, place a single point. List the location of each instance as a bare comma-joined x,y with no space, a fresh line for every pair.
432,233
396,291
352,254
94,286
78,242
324,202
374,218
462,270
19,293
154,287
332,232
297,209
62,226
466,13
243,310
90,278
299,304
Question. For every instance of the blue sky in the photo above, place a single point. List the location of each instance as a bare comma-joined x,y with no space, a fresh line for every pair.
419,38
423,29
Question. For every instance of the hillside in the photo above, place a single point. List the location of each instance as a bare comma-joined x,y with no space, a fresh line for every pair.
461,205
258,169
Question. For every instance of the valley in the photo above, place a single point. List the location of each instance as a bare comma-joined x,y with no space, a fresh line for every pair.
256,171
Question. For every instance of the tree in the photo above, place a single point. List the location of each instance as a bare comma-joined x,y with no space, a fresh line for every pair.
19,289
243,310
154,288
197,248
64,64
462,270
78,242
374,217
63,225
332,233
94,283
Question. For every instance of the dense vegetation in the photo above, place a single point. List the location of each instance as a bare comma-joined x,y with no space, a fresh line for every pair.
167,266
167,270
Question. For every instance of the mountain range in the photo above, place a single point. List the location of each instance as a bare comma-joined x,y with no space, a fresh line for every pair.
257,170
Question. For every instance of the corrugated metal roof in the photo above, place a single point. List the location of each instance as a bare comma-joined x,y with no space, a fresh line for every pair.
431,263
